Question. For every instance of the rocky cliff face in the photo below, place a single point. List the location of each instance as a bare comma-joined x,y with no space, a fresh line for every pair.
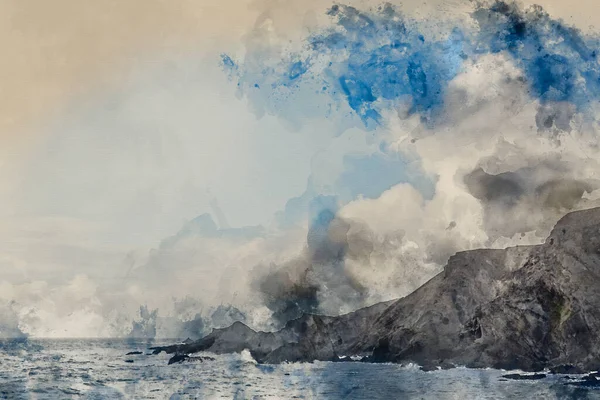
529,307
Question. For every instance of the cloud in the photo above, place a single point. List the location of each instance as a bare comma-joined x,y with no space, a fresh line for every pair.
508,146
345,265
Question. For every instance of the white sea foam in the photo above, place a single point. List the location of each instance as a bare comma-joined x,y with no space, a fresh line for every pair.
59,369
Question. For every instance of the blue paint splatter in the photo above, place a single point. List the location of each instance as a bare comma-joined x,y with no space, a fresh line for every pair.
371,61
377,60
322,210
229,66
297,69
559,62
228,63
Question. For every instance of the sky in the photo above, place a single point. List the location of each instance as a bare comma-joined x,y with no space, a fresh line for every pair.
184,155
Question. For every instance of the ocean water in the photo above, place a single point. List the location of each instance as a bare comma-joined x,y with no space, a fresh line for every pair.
100,369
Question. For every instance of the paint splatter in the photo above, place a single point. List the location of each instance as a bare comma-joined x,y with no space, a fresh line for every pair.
379,61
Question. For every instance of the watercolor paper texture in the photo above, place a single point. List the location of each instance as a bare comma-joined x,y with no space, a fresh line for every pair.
172,167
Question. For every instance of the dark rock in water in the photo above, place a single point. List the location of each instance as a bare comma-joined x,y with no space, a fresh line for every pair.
200,359
429,368
589,381
595,375
585,384
178,358
566,369
128,361
133,353
525,307
524,377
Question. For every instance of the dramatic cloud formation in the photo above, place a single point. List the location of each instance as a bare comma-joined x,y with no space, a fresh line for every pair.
500,116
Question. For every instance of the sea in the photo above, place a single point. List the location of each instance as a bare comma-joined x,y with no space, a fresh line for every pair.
101,369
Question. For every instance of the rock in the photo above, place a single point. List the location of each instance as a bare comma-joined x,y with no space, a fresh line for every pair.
428,367
128,361
177,358
133,353
525,307
524,377
299,340
590,381
566,369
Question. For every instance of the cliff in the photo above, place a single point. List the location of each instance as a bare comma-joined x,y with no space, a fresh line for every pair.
527,307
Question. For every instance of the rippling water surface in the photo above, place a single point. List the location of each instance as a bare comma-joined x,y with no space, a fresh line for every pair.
99,369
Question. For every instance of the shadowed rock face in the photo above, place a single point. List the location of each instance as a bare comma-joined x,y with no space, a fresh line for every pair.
527,307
